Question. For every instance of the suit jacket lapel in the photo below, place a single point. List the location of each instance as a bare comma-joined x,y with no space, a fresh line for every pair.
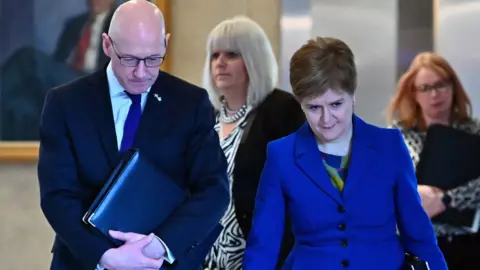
362,159
309,160
102,115
363,155
155,121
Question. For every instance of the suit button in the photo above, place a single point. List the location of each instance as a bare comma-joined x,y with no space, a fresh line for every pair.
345,264
341,209
344,243
342,227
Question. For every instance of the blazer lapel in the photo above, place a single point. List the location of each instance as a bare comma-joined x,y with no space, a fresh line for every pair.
155,121
363,155
309,160
102,115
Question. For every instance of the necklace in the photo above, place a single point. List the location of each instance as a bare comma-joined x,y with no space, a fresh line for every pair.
235,115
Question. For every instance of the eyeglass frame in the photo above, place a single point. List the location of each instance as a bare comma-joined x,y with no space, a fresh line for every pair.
138,60
441,86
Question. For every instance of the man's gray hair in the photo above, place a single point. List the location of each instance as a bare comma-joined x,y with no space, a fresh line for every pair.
245,37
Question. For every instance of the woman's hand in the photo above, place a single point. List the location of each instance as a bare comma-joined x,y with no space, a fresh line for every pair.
431,200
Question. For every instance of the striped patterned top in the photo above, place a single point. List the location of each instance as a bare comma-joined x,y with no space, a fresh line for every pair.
227,252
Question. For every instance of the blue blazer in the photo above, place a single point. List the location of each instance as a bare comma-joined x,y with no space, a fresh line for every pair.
356,229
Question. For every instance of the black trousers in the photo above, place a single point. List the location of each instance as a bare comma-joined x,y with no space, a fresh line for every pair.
461,252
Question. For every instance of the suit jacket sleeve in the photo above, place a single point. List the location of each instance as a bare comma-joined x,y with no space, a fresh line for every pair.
264,240
191,223
60,190
65,43
416,230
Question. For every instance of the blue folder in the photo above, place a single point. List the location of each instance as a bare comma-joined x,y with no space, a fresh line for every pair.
137,197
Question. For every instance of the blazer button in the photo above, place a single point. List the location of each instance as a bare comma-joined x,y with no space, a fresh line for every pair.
345,264
344,243
341,209
342,227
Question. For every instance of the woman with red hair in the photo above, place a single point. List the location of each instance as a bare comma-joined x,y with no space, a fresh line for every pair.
430,92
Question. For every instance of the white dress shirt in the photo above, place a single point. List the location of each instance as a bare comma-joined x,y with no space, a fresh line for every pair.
120,106
91,55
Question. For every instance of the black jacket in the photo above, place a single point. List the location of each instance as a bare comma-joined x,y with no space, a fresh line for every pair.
277,116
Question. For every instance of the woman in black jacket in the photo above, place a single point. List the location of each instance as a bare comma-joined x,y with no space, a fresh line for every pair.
240,75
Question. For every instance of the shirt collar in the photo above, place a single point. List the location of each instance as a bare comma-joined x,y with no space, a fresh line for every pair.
116,89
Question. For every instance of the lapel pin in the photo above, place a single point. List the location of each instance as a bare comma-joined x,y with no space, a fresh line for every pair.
159,98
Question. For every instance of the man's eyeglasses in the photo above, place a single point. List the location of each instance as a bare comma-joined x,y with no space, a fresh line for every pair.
131,61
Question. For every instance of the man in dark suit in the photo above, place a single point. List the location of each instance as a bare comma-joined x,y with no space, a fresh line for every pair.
80,44
87,124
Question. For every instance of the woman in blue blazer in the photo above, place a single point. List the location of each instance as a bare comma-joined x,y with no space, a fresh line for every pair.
345,185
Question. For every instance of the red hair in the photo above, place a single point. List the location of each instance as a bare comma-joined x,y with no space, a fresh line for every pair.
404,106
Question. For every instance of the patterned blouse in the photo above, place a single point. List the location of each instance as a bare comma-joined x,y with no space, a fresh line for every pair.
227,252
464,197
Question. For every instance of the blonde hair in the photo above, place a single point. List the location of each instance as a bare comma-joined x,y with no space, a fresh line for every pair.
404,106
244,36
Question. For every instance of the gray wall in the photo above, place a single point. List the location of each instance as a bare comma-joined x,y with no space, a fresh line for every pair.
25,238
370,28
458,39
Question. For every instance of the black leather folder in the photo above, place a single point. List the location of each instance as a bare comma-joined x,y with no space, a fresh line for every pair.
136,198
449,159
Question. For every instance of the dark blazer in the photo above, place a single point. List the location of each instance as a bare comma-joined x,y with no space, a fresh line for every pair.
277,116
78,151
356,228
71,34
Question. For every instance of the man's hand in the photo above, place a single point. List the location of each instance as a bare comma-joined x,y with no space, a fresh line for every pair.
154,250
130,256
431,200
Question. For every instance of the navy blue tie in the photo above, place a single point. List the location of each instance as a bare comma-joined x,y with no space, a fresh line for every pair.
131,123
